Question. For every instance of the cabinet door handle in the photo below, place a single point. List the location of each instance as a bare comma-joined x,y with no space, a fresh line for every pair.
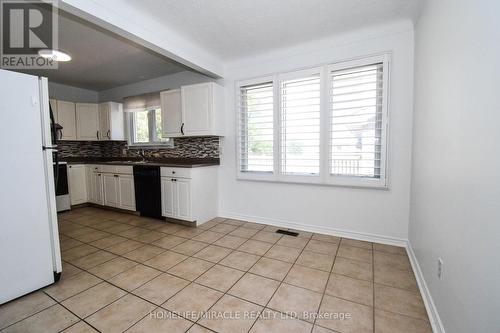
108,134
60,134
182,128
115,175
97,135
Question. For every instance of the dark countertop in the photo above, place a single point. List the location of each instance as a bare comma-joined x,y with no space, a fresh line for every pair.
164,162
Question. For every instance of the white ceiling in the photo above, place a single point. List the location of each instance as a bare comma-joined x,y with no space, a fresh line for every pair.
102,60
231,29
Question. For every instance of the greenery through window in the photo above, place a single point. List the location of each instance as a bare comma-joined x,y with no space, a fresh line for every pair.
145,127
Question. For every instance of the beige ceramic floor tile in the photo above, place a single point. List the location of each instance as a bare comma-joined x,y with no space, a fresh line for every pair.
92,236
108,241
23,307
354,290
223,228
164,323
385,260
399,301
69,243
271,321
353,268
254,288
86,303
69,270
121,314
66,288
213,253
190,268
93,259
149,237
240,260
77,252
231,242
359,321
169,241
161,288
53,319
394,277
243,232
134,277
166,260
198,329
315,260
265,236
113,267
326,238
389,249
388,322
319,329
189,232
357,243
189,247
239,322
321,247
192,301
208,237
308,278
355,253
255,247
273,269
144,253
220,277
80,327
283,253
290,241
124,247
303,302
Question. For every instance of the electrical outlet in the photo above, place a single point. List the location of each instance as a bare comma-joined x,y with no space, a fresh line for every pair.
440,268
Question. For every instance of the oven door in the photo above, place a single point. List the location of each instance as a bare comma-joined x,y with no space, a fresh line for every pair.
62,191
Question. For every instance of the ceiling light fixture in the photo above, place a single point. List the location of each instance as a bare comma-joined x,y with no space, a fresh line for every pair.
56,55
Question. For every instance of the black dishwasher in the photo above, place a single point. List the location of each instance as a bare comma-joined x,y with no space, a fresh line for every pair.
147,190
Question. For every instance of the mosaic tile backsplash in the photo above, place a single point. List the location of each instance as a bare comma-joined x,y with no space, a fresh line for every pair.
199,147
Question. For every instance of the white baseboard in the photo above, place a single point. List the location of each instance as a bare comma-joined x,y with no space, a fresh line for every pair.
437,325
318,229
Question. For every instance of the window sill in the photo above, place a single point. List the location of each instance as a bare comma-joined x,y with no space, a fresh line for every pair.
315,180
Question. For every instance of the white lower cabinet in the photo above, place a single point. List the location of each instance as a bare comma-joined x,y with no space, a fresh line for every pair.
110,185
77,182
119,190
189,194
126,192
176,198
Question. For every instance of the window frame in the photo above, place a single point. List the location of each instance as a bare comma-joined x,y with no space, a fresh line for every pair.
169,143
324,177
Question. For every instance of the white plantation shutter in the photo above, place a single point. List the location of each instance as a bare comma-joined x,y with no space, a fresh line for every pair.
256,128
300,106
357,127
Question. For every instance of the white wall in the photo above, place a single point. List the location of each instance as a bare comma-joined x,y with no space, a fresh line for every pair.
172,81
455,205
327,208
72,94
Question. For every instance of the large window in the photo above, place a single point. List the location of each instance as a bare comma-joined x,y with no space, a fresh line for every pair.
325,125
145,128
144,119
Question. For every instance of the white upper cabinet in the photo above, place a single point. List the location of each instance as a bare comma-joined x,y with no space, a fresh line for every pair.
66,117
197,111
171,113
87,121
111,121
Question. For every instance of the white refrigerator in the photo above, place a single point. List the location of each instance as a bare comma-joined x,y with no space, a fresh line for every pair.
30,257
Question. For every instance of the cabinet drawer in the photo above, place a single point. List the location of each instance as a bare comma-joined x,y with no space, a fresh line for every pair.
121,169
124,169
175,172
